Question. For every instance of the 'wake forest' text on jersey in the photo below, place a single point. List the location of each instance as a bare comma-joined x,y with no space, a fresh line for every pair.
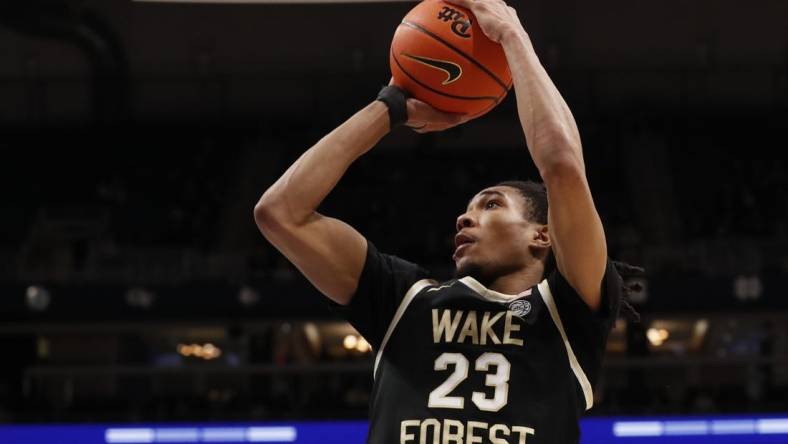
457,363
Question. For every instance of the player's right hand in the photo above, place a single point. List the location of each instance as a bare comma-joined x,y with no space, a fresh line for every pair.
423,118
495,17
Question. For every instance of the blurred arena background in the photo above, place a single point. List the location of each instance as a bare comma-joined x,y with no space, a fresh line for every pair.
137,137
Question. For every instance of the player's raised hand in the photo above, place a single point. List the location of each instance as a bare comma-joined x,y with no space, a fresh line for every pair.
495,17
423,118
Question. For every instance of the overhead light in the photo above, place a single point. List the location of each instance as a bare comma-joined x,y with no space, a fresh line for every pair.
37,298
206,351
210,351
42,347
657,336
698,335
140,297
185,349
363,346
747,287
357,343
248,296
350,342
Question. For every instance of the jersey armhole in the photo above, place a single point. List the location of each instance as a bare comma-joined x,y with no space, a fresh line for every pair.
409,296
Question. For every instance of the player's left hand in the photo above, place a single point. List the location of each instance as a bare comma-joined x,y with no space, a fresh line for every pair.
495,17
423,118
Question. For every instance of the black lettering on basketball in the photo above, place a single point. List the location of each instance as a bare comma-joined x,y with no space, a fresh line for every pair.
460,24
448,13
460,27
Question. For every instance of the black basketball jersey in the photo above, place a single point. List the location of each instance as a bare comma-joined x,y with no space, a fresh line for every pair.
458,363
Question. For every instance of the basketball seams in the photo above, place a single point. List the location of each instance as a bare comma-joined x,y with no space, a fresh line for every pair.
476,63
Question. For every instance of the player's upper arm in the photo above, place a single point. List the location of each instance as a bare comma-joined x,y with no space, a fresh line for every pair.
329,252
576,232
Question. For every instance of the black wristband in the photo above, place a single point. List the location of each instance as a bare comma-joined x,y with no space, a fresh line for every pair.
395,99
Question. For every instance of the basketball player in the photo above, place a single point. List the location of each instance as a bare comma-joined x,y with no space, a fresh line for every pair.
509,351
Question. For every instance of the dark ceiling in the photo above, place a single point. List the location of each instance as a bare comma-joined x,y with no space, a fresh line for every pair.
68,61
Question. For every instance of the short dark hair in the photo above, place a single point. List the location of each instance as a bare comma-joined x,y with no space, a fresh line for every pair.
535,196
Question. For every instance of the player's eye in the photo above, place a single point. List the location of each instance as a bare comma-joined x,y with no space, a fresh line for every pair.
491,204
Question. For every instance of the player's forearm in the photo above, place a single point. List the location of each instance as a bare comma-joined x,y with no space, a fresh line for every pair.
301,189
550,129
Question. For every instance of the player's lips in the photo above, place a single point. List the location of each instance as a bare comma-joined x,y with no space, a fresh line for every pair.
461,242
463,238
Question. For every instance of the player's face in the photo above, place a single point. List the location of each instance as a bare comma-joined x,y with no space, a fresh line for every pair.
494,238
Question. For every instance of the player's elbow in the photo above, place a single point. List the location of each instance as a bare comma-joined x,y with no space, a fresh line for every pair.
268,213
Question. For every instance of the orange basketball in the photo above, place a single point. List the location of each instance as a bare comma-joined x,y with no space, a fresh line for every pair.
441,56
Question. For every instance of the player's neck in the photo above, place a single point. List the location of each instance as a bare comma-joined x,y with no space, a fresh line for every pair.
519,281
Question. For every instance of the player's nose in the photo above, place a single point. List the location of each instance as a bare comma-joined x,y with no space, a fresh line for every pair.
464,221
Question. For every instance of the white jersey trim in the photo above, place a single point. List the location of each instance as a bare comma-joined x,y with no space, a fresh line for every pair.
412,292
547,296
490,295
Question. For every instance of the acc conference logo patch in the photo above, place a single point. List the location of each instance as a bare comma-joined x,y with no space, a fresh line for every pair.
520,308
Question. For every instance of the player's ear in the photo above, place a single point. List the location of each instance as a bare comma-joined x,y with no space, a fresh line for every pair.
541,238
